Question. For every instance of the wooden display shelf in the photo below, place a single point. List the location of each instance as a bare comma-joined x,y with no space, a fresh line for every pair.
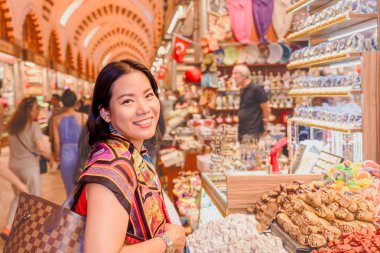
302,5
281,108
279,89
327,27
246,188
264,65
225,110
229,91
327,60
325,125
324,92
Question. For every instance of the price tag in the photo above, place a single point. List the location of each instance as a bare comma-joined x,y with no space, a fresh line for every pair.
268,217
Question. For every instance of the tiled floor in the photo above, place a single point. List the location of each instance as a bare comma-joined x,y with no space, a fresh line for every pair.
51,187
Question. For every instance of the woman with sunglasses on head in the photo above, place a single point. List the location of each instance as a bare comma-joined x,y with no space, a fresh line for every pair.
25,144
122,196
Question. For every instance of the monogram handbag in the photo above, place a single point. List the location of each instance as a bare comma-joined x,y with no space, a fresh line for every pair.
42,226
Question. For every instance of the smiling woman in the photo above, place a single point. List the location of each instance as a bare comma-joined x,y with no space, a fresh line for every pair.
121,190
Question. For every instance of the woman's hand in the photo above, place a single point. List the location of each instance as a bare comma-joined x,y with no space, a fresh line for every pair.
22,187
177,234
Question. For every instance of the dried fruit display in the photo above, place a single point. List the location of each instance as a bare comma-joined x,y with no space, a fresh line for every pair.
315,216
364,240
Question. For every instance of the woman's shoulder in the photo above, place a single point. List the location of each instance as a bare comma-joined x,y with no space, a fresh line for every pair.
108,152
106,168
35,126
57,118
81,117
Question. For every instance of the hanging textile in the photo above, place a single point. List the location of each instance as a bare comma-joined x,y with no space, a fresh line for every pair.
262,15
241,19
281,20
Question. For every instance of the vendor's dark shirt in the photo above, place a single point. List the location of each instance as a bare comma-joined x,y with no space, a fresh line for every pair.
250,113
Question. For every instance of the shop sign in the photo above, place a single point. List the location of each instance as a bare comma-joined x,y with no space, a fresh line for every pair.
71,72
40,60
7,58
60,68
7,47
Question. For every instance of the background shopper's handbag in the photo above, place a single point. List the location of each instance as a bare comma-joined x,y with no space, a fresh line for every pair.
43,226
43,161
43,165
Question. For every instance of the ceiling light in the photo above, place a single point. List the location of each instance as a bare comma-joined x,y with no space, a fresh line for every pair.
90,35
69,11
178,14
144,11
161,50
105,60
29,64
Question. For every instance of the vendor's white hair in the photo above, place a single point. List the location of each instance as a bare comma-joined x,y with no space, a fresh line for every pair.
244,70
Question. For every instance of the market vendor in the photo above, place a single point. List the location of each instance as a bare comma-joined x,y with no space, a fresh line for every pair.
254,109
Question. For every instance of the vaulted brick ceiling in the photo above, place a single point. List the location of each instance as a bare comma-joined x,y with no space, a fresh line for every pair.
120,28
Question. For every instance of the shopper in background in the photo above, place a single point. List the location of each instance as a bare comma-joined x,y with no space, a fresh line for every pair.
25,141
67,127
122,197
85,104
55,109
3,106
254,109
8,175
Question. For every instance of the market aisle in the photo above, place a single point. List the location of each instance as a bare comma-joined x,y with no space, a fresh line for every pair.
52,189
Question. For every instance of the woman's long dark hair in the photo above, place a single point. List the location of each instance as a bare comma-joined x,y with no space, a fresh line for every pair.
98,129
20,117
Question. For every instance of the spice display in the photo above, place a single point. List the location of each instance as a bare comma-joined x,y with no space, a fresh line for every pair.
234,234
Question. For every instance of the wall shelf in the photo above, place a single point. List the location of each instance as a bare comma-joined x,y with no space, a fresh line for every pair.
327,27
281,108
304,5
263,65
229,91
325,125
324,92
225,110
326,60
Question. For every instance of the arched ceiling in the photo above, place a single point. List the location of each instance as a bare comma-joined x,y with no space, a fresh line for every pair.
98,27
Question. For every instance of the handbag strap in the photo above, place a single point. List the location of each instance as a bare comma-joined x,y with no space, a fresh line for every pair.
18,138
55,218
